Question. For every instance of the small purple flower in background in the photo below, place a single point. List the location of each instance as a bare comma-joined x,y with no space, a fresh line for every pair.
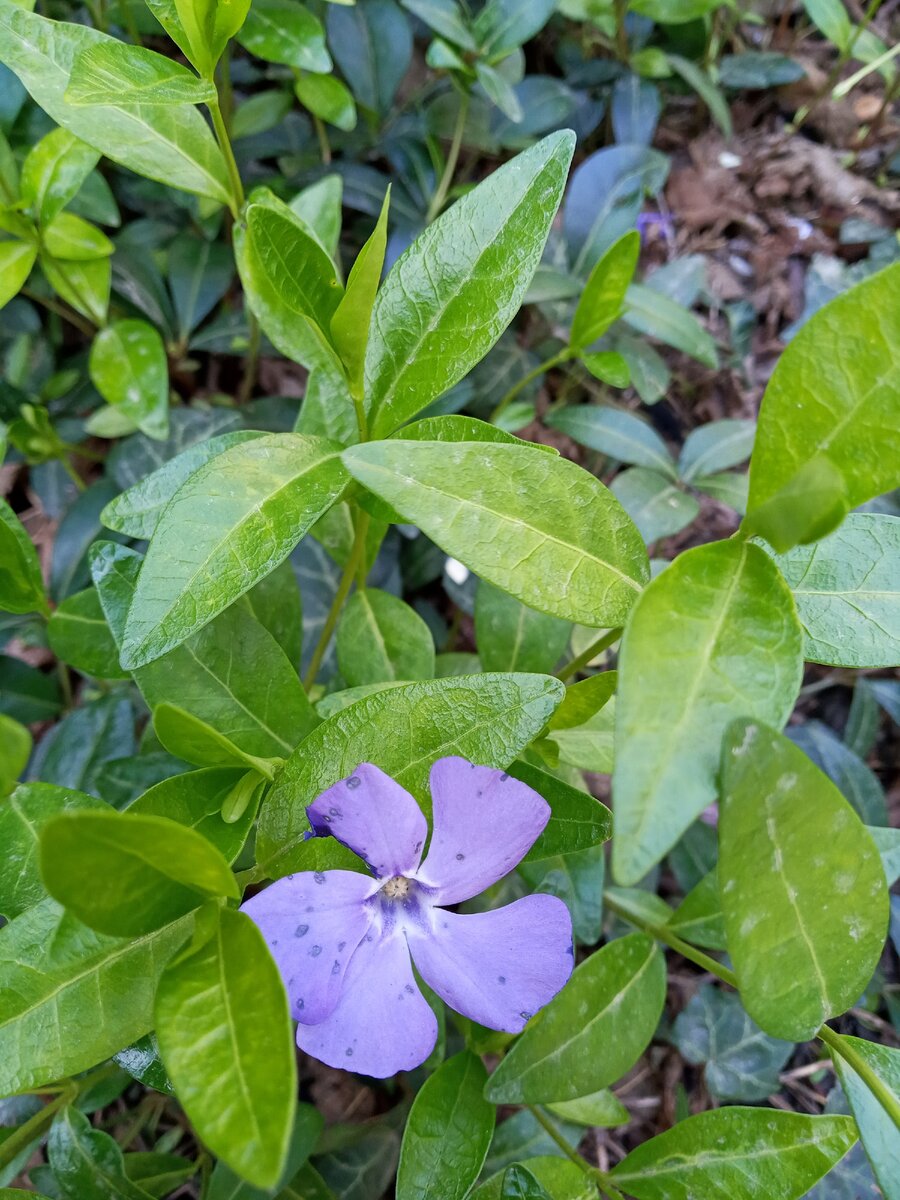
345,943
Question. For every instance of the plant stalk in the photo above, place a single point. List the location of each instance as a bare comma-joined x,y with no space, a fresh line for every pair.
357,556
596,647
540,369
234,176
443,187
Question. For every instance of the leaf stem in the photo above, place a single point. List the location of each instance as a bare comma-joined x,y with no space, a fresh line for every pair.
357,555
66,1092
234,175
322,135
443,187
251,359
61,310
541,369
826,1034
599,1177
586,656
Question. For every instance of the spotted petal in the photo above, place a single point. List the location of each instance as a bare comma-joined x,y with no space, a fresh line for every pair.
312,924
497,968
485,821
382,1023
374,817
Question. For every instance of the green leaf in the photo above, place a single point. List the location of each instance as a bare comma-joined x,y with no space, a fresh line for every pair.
499,91
260,112
876,1129
352,317
512,637
404,730
532,524
208,26
584,700
281,31
21,582
712,96
328,98
381,639
502,25
598,1110
847,592
69,237
649,311
16,261
577,820
53,172
577,878
698,919
603,298
561,1177
278,486
714,447
590,1034
111,72
87,1163
740,1061
673,12
658,507
735,650
158,1174
171,144
373,46
72,997
297,1179
79,635
26,693
445,18
192,739
127,874
833,396
22,817
195,799
224,1030
129,369
803,889
738,1152
137,510
520,1184
616,433
319,207
449,296
290,281
447,1134
808,507
609,366
83,284
15,749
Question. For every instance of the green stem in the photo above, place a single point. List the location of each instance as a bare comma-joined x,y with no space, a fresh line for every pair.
66,463
825,1033
65,684
601,1178
876,1086
357,554
322,135
234,175
540,369
443,187
251,359
621,7
35,1126
61,310
849,84
588,655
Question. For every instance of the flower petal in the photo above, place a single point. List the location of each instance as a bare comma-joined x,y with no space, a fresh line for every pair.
312,924
374,817
382,1023
484,822
500,967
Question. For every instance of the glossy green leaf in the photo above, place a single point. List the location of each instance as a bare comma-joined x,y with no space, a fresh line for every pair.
208,26
73,997
449,296
584,700
53,172
351,319
447,1134
170,143
382,639
603,298
16,261
534,525
280,31
513,637
488,719
577,820
70,237
736,649
609,366
698,918
803,889
15,748
327,98
21,582
577,878
129,369
742,1153
22,817
83,284
561,1177
520,1184
290,281
658,507
277,487
597,1110
832,395
616,433
128,874
192,739
224,1030
445,18
877,1131
115,73
590,1034
79,635
195,799
848,594
714,447
808,507
650,312
87,1163
373,46
299,1181
26,693
319,207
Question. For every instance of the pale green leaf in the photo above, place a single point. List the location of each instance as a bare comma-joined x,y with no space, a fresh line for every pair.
603,297
381,639
129,369
115,73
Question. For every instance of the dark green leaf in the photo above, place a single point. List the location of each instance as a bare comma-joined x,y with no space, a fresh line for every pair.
617,433
577,820
21,583
280,31
87,1163
513,637
381,639
79,635
876,1129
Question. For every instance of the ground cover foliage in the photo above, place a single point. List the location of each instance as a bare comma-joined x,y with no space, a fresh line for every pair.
379,386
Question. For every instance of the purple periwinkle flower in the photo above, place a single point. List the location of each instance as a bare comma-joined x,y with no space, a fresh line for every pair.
345,943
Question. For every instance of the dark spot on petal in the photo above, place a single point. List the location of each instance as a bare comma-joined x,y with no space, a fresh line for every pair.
418,848
341,945
460,856
327,819
349,1051
274,941
504,777
336,968
334,812
316,951
369,937
501,979
301,931
526,1016
309,908
353,782
409,988
479,793
319,877
300,1004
